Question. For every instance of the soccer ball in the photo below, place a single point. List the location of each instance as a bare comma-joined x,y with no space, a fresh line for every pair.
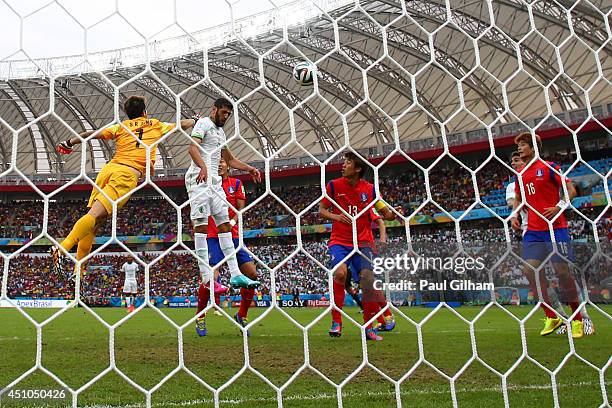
303,73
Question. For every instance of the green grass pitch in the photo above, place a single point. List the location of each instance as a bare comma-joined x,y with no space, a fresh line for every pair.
76,349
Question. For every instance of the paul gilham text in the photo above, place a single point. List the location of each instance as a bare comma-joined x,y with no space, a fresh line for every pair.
424,284
455,284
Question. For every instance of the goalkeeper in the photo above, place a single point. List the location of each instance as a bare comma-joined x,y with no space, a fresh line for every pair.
118,177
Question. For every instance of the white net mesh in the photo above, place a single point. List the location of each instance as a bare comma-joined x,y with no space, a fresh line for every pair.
393,79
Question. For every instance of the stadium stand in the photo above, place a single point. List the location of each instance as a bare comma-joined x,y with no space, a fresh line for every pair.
150,216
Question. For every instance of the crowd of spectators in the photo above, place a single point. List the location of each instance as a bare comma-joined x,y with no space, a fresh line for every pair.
451,187
176,273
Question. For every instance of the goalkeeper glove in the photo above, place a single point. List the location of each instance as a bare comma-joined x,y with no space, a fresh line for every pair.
64,147
196,117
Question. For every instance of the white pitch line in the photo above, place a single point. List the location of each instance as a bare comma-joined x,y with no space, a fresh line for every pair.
323,396
14,338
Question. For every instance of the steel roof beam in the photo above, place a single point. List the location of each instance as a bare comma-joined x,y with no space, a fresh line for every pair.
437,13
44,131
74,104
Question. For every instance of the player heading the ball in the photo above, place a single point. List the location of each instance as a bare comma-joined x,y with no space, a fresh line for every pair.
206,194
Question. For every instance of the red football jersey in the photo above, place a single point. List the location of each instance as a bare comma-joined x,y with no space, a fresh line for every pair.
541,186
234,191
352,199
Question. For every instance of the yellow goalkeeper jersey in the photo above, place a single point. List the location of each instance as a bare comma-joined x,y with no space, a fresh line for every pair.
128,150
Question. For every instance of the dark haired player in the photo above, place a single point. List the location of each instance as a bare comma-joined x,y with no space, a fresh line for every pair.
207,198
541,185
119,176
353,194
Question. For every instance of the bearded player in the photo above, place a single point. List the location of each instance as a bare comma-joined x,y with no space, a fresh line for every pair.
541,185
206,194
353,194
235,194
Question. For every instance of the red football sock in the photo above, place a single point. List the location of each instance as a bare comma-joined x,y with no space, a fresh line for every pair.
203,296
548,311
369,310
246,297
574,306
218,299
386,312
339,300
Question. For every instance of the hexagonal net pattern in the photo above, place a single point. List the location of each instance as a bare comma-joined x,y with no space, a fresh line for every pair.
388,75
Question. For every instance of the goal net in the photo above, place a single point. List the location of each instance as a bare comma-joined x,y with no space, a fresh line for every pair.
428,94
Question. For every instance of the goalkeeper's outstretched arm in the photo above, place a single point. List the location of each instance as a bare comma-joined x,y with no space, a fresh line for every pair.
67,146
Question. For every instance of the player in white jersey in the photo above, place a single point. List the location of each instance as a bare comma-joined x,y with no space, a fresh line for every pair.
589,329
517,163
206,194
130,286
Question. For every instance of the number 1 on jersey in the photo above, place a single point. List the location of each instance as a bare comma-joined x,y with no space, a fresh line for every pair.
140,132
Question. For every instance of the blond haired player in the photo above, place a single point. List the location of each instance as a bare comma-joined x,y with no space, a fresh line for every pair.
119,176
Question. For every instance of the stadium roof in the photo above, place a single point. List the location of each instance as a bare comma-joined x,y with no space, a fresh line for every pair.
435,70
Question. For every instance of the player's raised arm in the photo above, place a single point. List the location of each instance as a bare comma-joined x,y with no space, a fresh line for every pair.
237,164
189,123
67,146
